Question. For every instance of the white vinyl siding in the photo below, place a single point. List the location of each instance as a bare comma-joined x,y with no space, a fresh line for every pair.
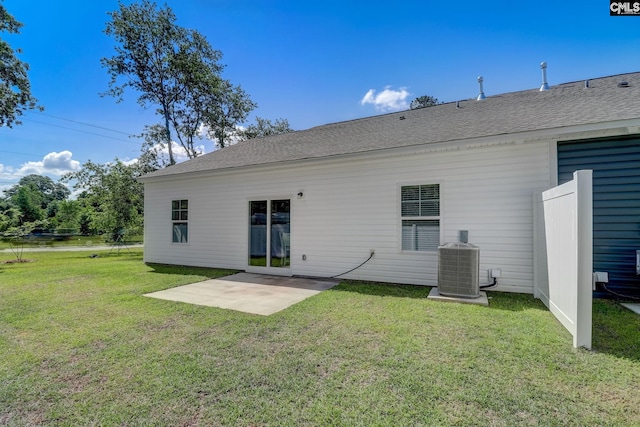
420,212
337,221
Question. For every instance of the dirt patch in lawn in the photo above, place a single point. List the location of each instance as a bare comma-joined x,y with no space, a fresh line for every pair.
17,261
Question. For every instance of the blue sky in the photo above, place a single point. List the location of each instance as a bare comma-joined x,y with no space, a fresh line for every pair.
309,62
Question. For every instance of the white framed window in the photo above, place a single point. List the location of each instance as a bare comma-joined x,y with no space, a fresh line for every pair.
420,216
180,221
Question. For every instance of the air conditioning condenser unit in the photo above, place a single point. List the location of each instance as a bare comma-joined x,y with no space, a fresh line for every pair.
459,270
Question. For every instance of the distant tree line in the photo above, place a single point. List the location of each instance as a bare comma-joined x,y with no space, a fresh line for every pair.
33,202
110,200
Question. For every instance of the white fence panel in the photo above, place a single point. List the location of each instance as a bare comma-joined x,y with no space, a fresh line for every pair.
564,231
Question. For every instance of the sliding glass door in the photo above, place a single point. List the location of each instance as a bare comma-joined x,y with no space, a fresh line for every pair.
270,233
258,233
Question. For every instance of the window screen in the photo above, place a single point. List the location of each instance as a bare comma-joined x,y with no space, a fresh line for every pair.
420,213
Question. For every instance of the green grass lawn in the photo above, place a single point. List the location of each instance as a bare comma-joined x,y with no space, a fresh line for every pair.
80,345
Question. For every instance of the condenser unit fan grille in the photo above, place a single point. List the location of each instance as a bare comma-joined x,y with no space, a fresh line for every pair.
459,270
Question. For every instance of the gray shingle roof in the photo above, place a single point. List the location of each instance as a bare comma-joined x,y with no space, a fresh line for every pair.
568,104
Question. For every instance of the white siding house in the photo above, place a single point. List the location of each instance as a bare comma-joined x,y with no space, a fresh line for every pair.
317,202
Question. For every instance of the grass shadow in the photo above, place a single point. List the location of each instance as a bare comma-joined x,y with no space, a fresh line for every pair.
497,300
211,273
616,330
103,254
382,289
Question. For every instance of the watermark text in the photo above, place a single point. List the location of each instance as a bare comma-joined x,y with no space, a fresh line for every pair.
624,8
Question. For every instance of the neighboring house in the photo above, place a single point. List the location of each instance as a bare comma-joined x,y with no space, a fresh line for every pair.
316,202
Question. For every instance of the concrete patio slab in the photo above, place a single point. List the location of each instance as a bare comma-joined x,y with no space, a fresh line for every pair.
635,307
434,294
248,292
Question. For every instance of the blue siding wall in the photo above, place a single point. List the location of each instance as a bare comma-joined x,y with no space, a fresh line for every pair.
616,203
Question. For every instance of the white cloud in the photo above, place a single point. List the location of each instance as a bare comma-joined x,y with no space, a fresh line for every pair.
368,97
233,138
53,163
8,177
60,161
8,174
179,153
4,187
203,131
387,100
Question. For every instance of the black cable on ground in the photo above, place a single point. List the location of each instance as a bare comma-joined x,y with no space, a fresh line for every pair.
619,295
355,268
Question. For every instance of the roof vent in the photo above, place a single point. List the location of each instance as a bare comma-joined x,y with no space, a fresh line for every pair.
402,117
623,84
481,94
457,104
545,85
586,84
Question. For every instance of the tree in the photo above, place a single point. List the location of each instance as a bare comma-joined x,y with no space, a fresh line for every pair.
68,215
148,40
152,151
424,101
174,68
222,118
35,199
15,88
9,215
29,200
265,127
16,236
49,190
209,102
112,192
